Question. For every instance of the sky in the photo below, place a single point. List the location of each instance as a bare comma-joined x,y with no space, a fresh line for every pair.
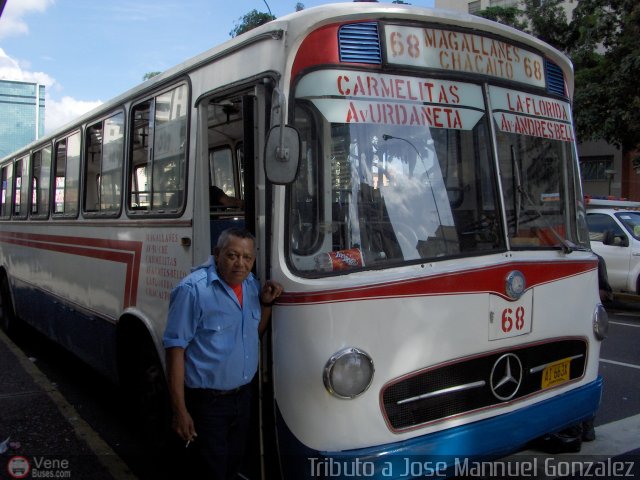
86,51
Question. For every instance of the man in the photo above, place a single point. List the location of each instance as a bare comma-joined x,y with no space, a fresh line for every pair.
216,315
217,198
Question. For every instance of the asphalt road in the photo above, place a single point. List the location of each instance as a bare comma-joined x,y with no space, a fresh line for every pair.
620,366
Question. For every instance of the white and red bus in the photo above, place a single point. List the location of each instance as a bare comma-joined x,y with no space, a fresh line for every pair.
411,177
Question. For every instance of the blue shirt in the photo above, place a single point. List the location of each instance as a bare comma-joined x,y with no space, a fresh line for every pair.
219,336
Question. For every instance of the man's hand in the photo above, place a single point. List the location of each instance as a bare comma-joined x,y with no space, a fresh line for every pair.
270,291
182,424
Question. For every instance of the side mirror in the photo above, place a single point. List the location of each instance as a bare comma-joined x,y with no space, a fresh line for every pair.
607,237
610,238
282,148
282,154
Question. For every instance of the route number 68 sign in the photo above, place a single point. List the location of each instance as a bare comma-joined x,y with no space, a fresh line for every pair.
510,318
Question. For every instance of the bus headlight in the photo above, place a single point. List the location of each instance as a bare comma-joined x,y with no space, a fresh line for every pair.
348,373
600,322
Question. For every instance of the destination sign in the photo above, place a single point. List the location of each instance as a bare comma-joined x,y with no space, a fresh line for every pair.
462,52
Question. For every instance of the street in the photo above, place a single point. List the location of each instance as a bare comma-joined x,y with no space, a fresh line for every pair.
108,419
620,367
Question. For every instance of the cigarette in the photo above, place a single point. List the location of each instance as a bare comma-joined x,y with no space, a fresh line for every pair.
188,442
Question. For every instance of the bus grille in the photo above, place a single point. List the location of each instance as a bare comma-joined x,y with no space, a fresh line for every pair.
471,384
555,78
360,43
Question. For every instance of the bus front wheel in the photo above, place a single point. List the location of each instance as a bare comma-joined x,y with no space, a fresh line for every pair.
7,314
144,384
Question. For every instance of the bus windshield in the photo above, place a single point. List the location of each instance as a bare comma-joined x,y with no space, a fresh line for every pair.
405,172
535,154
398,169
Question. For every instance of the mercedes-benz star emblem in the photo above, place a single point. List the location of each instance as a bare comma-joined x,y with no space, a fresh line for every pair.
506,376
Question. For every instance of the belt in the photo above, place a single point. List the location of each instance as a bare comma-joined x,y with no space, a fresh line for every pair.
214,392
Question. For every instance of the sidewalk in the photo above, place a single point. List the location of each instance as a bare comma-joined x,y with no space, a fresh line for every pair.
41,434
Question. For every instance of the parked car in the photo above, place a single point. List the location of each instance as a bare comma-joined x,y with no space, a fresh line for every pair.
614,232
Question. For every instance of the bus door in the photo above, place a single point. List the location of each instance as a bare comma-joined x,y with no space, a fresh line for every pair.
236,125
231,147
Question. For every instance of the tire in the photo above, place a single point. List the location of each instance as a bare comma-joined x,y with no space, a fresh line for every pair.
7,314
146,388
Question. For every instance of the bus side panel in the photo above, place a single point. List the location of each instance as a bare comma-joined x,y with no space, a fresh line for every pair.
87,336
60,283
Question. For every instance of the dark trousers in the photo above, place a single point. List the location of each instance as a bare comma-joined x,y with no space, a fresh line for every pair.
221,422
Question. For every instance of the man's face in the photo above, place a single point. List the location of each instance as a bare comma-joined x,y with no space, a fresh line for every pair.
235,260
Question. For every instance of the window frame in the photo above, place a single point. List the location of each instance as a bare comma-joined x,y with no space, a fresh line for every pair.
99,212
131,166
37,189
21,191
66,188
6,188
598,229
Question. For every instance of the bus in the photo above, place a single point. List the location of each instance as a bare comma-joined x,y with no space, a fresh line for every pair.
411,178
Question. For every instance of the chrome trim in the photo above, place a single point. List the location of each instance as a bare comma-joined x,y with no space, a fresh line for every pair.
326,374
539,368
510,280
600,322
444,391
509,374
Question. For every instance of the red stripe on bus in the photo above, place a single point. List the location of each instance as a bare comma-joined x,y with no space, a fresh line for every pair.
318,48
480,280
120,251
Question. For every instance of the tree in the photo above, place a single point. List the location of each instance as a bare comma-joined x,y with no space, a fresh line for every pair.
250,21
543,19
602,41
505,15
547,21
606,54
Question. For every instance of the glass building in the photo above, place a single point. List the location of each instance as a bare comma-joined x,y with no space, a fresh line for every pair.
21,114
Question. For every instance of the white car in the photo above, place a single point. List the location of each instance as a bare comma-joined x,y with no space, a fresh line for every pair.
615,235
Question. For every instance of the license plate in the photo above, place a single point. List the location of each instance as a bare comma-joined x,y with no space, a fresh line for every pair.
556,373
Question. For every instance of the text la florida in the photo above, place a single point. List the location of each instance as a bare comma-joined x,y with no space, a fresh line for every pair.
540,107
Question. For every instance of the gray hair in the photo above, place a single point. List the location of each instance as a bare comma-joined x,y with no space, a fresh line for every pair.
223,239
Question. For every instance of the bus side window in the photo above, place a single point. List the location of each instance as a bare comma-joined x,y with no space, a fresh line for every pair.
226,204
21,193
223,190
226,175
93,160
7,181
103,164
67,175
40,174
158,152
